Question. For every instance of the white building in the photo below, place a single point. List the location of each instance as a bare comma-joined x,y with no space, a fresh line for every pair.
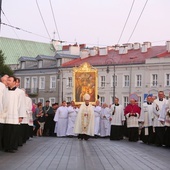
138,68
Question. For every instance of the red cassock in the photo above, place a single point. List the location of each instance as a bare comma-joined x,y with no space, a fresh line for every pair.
132,109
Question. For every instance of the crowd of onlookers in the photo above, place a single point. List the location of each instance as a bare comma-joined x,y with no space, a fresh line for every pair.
20,119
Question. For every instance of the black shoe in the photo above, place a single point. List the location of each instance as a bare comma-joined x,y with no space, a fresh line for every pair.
9,151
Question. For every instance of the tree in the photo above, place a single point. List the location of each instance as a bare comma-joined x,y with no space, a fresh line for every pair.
4,69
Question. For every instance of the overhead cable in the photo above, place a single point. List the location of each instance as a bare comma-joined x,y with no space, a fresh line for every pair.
15,34
54,20
43,19
126,22
137,21
23,30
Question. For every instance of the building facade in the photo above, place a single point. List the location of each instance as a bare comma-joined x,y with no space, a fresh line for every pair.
136,68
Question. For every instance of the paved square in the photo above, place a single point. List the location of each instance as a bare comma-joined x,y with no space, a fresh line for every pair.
52,153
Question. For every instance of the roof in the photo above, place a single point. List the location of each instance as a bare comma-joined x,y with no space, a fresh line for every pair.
63,55
113,57
13,49
23,58
40,57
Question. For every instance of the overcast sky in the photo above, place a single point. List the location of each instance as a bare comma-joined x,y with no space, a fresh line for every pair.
93,22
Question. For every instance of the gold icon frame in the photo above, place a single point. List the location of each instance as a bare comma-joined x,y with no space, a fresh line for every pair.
85,80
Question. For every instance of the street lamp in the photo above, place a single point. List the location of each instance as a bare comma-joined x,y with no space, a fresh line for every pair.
130,78
110,60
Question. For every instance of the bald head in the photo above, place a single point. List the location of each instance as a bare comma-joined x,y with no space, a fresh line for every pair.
4,79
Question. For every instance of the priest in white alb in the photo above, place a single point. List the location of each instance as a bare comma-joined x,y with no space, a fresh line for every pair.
97,112
72,114
61,119
84,125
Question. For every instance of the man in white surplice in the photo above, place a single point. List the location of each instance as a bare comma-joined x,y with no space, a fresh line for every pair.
159,115
97,112
72,114
146,118
61,119
117,120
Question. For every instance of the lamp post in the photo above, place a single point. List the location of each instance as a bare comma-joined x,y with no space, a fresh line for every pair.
110,60
130,77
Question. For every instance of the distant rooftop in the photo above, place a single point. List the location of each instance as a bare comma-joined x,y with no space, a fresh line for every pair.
13,49
114,57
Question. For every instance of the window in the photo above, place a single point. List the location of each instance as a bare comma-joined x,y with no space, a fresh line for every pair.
114,81
40,64
102,100
34,85
41,100
34,100
102,81
41,82
68,99
52,82
69,82
22,64
125,101
27,82
154,80
52,100
167,80
138,80
126,80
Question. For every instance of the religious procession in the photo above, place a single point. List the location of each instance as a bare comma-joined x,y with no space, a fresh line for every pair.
22,120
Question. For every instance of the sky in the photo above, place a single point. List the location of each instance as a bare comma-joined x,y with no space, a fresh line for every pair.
91,22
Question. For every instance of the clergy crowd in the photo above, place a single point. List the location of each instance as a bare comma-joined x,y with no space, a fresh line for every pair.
20,119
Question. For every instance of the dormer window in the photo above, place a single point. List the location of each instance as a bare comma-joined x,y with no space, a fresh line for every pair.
22,64
40,64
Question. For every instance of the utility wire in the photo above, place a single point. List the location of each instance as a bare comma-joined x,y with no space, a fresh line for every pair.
0,12
20,29
43,19
16,34
138,21
126,21
54,20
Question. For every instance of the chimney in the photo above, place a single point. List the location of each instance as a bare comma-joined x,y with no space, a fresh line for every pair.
110,48
123,50
93,52
117,47
144,48
82,46
129,46
136,46
168,46
84,54
74,50
148,44
103,51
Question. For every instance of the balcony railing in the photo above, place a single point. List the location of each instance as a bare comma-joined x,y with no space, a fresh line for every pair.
32,91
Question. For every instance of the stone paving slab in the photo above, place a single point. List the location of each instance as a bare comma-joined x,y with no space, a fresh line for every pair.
52,153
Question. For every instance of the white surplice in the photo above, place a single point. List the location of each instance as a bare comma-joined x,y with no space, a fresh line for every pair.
72,114
61,119
97,112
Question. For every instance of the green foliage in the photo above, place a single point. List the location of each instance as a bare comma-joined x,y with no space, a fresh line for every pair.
4,69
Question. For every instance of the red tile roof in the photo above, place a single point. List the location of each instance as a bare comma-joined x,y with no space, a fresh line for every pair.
133,56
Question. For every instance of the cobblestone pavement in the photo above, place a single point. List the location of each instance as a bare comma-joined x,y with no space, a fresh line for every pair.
52,153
